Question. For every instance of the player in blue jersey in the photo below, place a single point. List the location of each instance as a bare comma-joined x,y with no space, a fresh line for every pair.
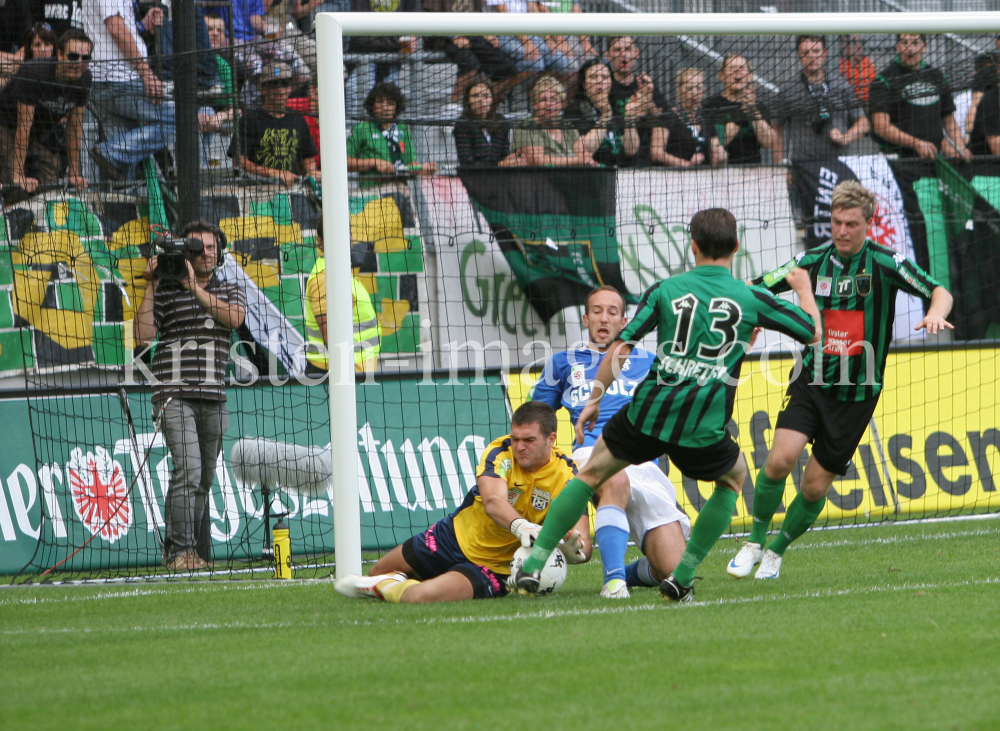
639,500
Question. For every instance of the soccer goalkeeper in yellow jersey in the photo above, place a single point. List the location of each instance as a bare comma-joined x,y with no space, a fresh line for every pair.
467,555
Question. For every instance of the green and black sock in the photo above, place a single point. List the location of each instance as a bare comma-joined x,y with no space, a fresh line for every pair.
801,515
767,494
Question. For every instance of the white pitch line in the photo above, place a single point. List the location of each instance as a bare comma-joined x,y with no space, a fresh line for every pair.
223,585
142,592
889,540
899,539
154,628
517,616
631,608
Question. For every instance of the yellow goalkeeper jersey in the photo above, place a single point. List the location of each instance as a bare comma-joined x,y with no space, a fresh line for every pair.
529,493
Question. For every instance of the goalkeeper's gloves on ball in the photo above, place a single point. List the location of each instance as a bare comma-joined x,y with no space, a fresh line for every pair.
526,531
572,548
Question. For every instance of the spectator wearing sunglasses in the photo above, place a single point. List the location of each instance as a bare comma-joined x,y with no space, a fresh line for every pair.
41,114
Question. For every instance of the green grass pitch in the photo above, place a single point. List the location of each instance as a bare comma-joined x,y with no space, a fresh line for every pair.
893,627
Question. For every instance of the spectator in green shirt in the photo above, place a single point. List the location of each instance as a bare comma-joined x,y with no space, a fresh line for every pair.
382,147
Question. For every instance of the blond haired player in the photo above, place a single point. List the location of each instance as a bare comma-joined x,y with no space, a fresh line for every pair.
832,401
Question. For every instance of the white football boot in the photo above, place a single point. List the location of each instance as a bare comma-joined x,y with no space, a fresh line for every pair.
365,587
770,566
744,561
615,589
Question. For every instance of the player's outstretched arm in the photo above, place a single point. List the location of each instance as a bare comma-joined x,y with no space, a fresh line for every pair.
940,308
607,372
798,280
493,491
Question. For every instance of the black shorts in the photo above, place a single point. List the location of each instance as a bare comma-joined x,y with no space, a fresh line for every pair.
833,427
709,463
436,551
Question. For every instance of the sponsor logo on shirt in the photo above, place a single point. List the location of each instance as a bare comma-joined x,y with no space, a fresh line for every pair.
778,274
503,469
581,394
824,286
540,499
912,281
921,93
833,260
899,258
513,494
844,331
577,375
844,286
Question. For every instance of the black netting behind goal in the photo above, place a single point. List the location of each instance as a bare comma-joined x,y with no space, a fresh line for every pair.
493,183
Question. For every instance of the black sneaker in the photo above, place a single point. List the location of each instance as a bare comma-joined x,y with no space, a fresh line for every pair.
524,584
674,591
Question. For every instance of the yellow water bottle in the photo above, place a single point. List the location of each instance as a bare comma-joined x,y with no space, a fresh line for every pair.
282,551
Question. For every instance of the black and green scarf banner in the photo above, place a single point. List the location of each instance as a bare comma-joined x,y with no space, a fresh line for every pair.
953,215
555,227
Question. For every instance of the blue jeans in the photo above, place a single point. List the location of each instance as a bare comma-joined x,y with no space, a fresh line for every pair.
548,60
134,127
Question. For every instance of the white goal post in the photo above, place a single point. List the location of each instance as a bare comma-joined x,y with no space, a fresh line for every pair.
330,30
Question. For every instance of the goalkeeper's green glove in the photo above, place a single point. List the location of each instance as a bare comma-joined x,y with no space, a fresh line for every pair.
572,548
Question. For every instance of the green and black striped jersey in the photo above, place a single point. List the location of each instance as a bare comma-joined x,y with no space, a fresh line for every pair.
704,320
857,300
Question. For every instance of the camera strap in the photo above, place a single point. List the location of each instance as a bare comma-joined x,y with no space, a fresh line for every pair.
820,93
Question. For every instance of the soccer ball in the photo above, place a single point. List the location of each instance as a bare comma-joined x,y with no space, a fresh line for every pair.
553,573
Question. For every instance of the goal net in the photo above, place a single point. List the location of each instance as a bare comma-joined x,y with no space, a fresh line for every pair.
475,188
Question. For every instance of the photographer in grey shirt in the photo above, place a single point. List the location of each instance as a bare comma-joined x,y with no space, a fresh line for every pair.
822,116
190,312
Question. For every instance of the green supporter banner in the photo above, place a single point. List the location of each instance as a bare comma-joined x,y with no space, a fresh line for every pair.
71,265
556,228
418,446
954,219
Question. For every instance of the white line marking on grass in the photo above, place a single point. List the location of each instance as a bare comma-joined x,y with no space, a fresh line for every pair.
631,608
883,541
142,592
515,617
154,628
165,577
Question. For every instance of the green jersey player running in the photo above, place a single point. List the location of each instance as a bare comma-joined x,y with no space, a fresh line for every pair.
705,320
832,401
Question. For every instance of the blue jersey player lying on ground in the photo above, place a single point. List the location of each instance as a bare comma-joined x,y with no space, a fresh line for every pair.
639,500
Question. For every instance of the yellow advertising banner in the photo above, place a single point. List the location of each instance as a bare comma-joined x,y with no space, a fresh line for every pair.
932,449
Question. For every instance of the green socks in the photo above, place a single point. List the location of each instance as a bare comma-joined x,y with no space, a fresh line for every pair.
563,513
767,494
800,516
713,520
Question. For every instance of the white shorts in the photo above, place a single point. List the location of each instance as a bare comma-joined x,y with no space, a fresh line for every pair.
652,502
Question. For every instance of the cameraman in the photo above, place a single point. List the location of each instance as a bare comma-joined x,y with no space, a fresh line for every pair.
192,316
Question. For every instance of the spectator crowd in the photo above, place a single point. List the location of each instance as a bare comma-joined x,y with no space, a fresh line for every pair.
591,101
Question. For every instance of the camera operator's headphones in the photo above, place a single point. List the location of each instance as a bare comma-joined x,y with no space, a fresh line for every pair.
198,227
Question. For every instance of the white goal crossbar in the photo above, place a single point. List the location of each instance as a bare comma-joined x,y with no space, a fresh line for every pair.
330,30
